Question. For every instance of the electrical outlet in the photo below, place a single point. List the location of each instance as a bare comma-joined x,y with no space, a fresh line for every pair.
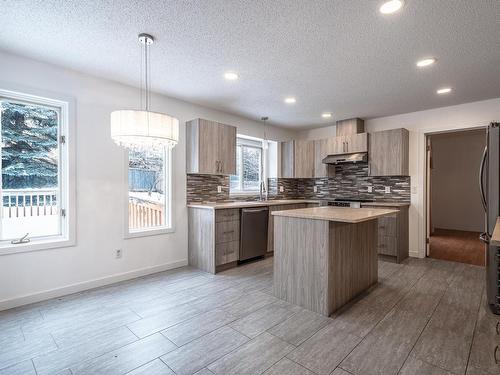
219,189
282,189
387,189
315,189
118,253
370,189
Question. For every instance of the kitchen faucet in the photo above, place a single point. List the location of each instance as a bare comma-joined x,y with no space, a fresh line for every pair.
262,191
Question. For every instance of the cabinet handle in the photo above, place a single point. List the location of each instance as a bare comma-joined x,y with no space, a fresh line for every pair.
229,231
222,166
498,328
217,166
347,147
495,355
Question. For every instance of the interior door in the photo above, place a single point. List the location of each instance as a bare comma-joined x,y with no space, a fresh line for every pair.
428,192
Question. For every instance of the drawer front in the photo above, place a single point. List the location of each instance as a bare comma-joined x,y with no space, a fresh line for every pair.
226,252
388,226
227,231
231,214
387,245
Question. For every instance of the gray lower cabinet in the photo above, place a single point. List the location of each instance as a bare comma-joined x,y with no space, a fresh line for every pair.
214,238
393,236
214,235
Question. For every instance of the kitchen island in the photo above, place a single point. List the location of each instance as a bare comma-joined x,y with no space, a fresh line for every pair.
325,256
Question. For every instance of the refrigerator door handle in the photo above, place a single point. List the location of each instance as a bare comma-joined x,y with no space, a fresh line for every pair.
485,237
481,178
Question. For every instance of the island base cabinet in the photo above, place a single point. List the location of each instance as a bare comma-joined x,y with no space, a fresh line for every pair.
322,265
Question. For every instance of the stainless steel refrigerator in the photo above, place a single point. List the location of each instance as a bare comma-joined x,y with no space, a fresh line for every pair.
490,191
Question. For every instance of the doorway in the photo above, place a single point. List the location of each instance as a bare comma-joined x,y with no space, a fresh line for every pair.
455,216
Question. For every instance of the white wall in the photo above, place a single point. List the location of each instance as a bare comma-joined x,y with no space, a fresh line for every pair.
469,115
100,167
455,194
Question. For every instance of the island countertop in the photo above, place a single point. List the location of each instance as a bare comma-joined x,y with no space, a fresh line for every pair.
337,214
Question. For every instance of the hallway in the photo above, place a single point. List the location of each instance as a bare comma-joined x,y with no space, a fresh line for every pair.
458,246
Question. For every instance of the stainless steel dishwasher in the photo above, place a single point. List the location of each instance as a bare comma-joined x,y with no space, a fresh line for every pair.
253,236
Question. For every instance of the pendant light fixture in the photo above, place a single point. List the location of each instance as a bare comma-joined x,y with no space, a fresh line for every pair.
143,129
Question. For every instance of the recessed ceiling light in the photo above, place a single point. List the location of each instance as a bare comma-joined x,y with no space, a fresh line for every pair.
231,76
391,6
326,115
444,90
290,100
426,62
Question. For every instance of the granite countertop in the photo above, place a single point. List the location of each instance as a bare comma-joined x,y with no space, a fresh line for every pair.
243,204
339,214
385,204
495,237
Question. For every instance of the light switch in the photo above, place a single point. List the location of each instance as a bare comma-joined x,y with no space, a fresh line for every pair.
387,189
315,189
370,189
219,189
282,189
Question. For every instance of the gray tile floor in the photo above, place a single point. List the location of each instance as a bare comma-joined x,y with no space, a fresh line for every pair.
424,317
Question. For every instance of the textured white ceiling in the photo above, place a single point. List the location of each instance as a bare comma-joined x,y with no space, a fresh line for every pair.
341,56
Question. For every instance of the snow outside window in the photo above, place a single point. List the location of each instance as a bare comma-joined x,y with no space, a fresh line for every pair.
34,194
249,166
149,191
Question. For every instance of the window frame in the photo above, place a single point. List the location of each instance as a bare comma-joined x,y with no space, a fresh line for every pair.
169,225
250,142
66,167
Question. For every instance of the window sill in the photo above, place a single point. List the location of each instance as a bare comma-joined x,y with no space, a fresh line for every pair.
37,245
244,194
148,232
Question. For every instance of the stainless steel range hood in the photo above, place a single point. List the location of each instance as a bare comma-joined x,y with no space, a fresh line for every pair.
358,157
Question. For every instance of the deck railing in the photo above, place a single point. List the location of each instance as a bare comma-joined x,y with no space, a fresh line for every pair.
144,215
29,202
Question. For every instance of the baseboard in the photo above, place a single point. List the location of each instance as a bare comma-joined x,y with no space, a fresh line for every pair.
85,285
415,254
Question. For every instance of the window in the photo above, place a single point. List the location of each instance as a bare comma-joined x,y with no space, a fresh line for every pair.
34,186
148,191
249,165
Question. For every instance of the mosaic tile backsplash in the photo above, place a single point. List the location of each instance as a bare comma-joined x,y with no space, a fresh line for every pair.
350,181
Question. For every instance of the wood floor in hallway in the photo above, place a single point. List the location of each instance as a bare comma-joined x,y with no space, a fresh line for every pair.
424,317
457,246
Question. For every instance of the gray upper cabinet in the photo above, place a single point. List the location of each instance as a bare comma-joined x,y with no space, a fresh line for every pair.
350,126
304,159
211,147
389,153
297,159
356,142
287,154
321,150
227,148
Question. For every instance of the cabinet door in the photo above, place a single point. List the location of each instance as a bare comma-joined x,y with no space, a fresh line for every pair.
208,147
304,159
336,145
357,142
227,149
320,152
350,126
287,159
389,153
